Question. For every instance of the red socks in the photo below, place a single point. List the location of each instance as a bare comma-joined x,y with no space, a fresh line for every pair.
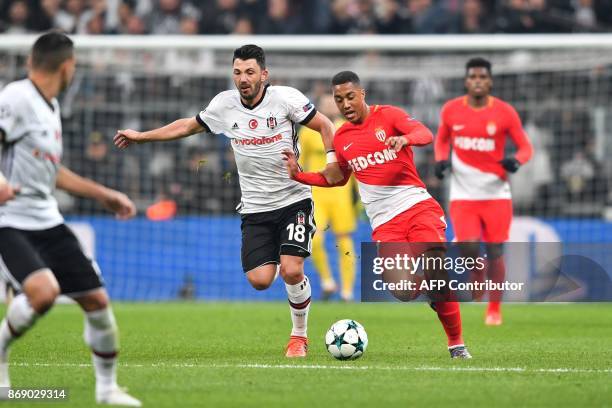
450,317
496,272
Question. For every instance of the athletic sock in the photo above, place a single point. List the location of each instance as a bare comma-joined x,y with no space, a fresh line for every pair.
450,317
299,304
19,318
101,335
346,256
496,272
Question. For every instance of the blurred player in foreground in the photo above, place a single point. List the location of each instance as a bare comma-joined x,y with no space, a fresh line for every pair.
277,213
335,209
7,191
476,125
39,256
375,145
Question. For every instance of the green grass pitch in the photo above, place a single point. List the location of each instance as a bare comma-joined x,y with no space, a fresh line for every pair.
231,354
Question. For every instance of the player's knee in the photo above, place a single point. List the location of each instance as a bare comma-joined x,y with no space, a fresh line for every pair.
93,301
469,249
435,253
44,299
494,251
259,285
259,282
292,272
41,289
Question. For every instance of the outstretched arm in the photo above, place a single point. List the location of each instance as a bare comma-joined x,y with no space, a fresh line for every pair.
178,129
321,123
318,179
112,200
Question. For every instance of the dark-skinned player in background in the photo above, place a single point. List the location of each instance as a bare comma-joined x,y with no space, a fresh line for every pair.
476,125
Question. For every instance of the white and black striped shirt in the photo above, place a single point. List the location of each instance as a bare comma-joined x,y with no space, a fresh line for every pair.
258,136
31,133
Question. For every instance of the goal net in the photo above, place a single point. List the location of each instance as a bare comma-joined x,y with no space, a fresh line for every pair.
185,243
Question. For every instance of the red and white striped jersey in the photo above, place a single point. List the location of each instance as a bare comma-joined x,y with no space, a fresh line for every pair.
478,139
388,180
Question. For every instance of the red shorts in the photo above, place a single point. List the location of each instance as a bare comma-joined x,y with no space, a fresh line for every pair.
423,222
488,220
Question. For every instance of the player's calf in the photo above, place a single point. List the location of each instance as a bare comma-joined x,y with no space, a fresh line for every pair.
101,334
299,296
40,291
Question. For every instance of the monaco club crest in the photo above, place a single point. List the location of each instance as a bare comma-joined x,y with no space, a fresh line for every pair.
491,128
380,134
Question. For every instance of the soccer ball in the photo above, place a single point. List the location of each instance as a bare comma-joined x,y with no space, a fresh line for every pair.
346,340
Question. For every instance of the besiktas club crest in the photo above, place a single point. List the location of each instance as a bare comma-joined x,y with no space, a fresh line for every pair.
300,218
271,122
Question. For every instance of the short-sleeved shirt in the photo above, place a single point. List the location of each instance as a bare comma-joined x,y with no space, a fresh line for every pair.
478,140
31,152
258,136
388,180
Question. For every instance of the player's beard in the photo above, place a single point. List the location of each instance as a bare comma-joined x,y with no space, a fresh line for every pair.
66,80
256,88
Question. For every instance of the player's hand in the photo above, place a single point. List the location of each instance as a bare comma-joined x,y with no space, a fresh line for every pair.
332,173
396,142
126,137
291,163
441,167
510,164
119,204
7,192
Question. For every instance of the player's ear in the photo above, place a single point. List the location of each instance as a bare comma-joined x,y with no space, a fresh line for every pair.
264,75
29,63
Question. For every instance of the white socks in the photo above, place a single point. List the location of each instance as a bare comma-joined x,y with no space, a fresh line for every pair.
19,318
101,335
299,304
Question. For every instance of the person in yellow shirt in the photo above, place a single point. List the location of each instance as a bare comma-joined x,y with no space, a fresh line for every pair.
334,209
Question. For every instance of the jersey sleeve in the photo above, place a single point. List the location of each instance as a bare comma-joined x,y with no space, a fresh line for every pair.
211,118
416,133
442,142
11,114
299,108
519,137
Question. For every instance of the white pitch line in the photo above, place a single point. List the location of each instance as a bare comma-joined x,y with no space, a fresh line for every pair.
338,367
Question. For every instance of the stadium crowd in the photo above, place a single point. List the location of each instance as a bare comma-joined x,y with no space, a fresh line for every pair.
568,176
305,16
